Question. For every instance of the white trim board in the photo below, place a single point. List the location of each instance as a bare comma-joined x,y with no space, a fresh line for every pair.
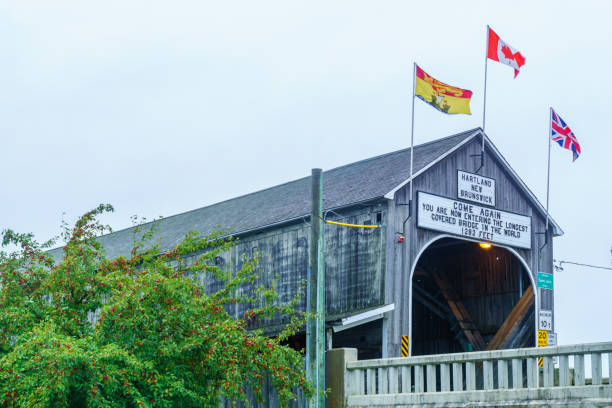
362,318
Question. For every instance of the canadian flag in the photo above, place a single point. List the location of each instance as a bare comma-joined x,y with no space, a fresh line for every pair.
504,52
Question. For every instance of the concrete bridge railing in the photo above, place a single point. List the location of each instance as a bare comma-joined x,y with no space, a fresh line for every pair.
487,378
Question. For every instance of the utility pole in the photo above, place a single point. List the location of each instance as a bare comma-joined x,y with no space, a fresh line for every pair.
315,325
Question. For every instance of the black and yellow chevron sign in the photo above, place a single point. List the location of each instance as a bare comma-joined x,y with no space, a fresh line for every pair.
405,348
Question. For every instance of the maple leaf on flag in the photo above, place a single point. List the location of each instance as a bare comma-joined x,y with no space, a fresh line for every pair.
516,56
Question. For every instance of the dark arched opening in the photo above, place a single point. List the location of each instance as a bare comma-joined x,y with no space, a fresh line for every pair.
466,297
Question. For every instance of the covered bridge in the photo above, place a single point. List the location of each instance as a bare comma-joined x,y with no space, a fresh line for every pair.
458,273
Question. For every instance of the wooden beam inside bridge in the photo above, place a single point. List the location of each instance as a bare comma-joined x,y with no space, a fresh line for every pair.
458,309
512,322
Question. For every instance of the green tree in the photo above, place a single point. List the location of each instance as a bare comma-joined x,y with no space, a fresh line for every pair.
158,341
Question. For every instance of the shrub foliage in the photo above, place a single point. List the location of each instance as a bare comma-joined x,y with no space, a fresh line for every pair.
158,339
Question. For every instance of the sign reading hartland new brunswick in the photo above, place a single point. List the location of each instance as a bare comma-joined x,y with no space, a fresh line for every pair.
477,188
473,221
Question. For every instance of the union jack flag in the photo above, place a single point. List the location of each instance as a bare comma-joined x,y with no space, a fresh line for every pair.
563,135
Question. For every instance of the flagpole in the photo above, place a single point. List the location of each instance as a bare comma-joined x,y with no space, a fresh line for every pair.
412,137
484,102
548,177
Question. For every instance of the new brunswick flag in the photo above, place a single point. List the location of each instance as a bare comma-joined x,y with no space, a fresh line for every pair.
445,98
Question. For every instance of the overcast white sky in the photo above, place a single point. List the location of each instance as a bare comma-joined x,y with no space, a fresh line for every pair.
163,107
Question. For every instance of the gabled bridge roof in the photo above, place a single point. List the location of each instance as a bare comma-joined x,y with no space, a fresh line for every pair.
359,182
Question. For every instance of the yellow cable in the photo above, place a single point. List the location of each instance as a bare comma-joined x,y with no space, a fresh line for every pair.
351,225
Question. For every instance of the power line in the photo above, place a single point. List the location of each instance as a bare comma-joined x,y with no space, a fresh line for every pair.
560,267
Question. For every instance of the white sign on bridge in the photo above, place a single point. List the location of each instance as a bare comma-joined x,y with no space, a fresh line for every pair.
476,188
473,221
545,320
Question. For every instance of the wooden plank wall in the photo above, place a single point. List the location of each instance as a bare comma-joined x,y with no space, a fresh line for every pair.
354,261
441,179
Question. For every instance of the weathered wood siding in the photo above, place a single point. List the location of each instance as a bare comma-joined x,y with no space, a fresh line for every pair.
354,262
441,179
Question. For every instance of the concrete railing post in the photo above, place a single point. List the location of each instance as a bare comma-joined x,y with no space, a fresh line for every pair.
336,375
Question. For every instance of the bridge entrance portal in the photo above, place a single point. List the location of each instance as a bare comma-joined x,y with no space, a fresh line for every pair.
468,296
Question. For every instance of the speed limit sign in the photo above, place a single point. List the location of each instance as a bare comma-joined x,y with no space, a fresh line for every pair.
545,320
542,338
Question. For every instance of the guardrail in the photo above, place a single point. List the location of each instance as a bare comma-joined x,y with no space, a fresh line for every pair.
478,376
